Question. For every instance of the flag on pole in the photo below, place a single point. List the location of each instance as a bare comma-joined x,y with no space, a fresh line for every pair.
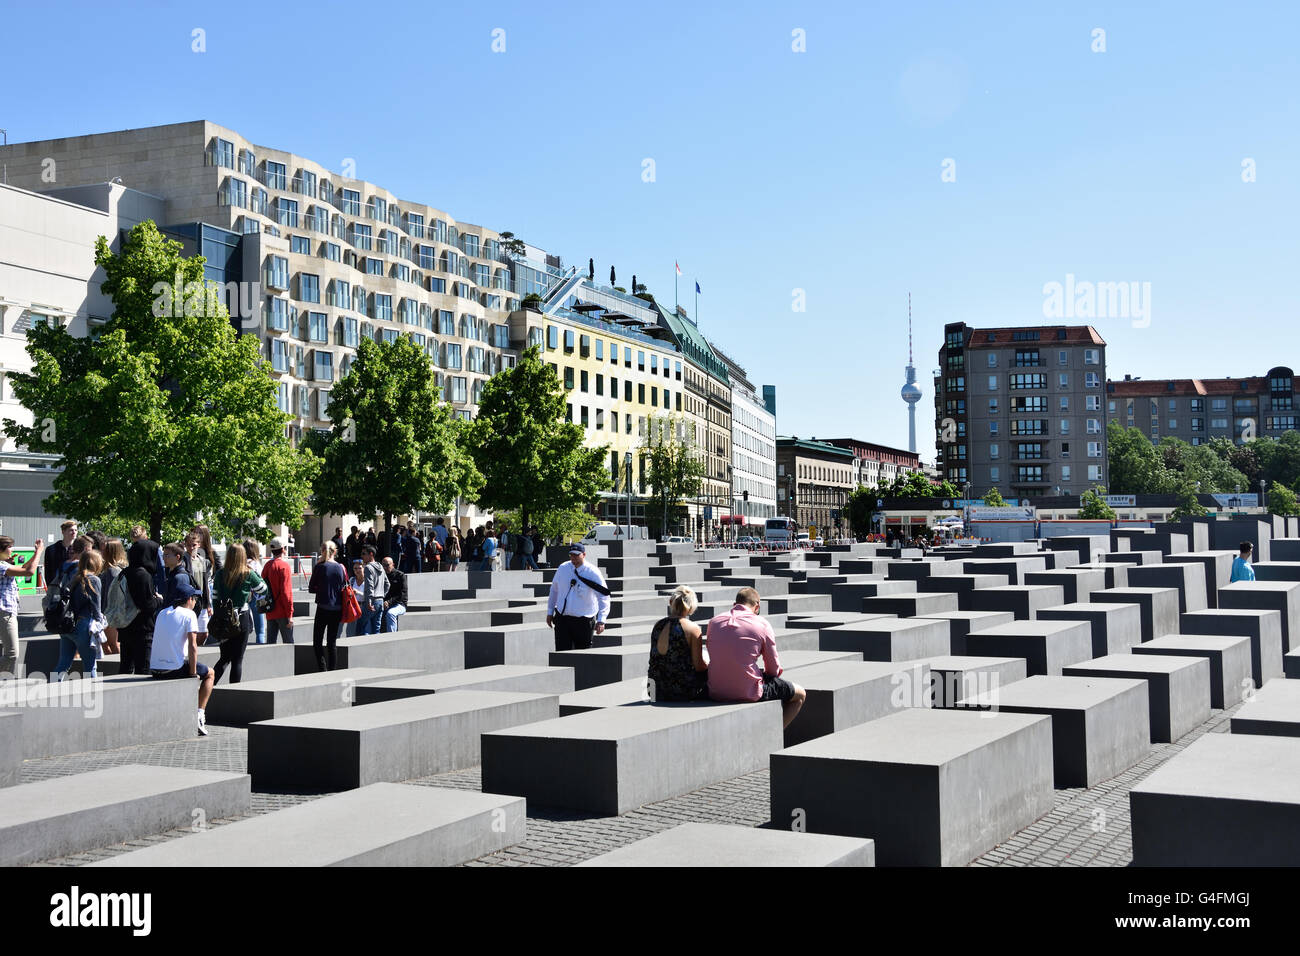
697,287
679,268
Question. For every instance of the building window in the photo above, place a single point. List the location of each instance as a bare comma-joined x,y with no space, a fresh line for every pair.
582,380
1094,472
993,474
1093,403
1065,403
993,450
993,428
1092,380
993,360
568,340
1094,449
993,383
308,287
1091,356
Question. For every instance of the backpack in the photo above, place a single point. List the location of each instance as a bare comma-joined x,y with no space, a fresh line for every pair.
528,545
58,608
121,610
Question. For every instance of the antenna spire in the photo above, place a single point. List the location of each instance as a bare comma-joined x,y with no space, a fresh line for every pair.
909,328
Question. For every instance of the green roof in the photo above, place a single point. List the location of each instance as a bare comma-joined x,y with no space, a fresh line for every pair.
693,344
820,447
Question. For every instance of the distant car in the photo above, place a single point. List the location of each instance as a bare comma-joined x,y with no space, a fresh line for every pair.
674,539
801,540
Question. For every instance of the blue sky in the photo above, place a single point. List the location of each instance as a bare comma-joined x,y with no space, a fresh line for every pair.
776,170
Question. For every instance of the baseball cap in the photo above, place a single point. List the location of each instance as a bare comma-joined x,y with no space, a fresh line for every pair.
577,548
277,544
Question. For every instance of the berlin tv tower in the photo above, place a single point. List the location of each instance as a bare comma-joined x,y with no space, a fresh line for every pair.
911,392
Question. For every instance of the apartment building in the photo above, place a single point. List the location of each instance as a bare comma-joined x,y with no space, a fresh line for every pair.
1198,409
814,479
1020,409
753,447
876,464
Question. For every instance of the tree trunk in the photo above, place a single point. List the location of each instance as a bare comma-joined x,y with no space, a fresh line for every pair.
155,526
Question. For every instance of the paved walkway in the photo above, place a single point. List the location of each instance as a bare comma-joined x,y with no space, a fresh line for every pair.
1085,828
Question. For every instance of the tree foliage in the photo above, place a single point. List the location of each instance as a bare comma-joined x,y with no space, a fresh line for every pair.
1093,506
168,412
1188,506
993,498
1282,500
675,470
394,447
531,460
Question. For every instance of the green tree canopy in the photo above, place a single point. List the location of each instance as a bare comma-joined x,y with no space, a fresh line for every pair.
1188,506
531,460
394,447
675,469
1136,468
1093,506
1282,500
1199,465
993,498
168,412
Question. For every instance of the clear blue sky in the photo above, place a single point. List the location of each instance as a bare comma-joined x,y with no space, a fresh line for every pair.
776,170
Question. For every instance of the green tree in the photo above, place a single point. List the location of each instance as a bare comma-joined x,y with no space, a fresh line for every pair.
1093,507
1282,500
860,508
512,246
531,460
993,498
394,448
674,469
1198,465
1136,468
1188,506
168,412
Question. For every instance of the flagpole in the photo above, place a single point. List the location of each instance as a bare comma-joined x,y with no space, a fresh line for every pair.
674,287
697,302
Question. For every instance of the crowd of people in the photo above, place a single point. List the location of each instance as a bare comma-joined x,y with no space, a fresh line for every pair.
485,547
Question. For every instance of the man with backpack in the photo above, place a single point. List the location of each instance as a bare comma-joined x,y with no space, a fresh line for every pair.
279,579
526,546
132,603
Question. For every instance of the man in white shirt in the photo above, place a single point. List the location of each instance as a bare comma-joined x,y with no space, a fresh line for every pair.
578,602
175,652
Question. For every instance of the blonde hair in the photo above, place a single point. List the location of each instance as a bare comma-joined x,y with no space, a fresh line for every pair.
115,553
236,566
682,602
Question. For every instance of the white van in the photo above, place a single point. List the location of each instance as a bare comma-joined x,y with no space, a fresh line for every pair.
604,532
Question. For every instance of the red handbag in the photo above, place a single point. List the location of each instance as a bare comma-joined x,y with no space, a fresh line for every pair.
351,607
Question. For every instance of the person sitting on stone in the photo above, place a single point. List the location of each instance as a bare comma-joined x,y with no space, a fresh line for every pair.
678,670
737,640
174,652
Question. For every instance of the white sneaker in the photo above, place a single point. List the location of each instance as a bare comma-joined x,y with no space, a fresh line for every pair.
203,724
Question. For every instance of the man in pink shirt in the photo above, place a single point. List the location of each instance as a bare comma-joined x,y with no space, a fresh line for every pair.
736,640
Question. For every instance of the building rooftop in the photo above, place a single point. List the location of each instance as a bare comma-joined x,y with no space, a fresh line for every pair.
1152,387
813,445
1041,335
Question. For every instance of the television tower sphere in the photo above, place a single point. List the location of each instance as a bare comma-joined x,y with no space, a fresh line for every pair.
911,393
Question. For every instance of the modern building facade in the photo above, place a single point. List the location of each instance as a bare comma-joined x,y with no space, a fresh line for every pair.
814,479
874,464
753,448
48,275
1198,409
1020,409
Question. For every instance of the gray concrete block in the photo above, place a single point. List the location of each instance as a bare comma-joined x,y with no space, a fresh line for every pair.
604,665
712,844
1045,646
961,623
1022,600
1277,570
816,621
1078,583
386,742
613,760
1280,596
514,678
906,781
383,824
1187,579
1229,658
1291,664
1225,800
916,604
1013,569
1115,627
902,570
1100,725
238,705
1227,535
843,694
1264,628
80,715
526,644
11,747
1164,542
890,639
1178,688
85,811
261,661
1114,575
408,650
1216,565
1134,557
798,604
963,585
955,677
1159,607
1272,710
849,597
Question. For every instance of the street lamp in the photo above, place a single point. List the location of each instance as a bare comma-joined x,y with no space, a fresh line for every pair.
731,501
1262,503
627,460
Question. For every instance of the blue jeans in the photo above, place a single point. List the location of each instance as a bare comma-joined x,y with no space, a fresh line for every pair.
372,614
390,618
529,563
487,564
259,622
78,642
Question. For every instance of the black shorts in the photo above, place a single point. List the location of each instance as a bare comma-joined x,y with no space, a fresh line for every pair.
776,688
182,673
